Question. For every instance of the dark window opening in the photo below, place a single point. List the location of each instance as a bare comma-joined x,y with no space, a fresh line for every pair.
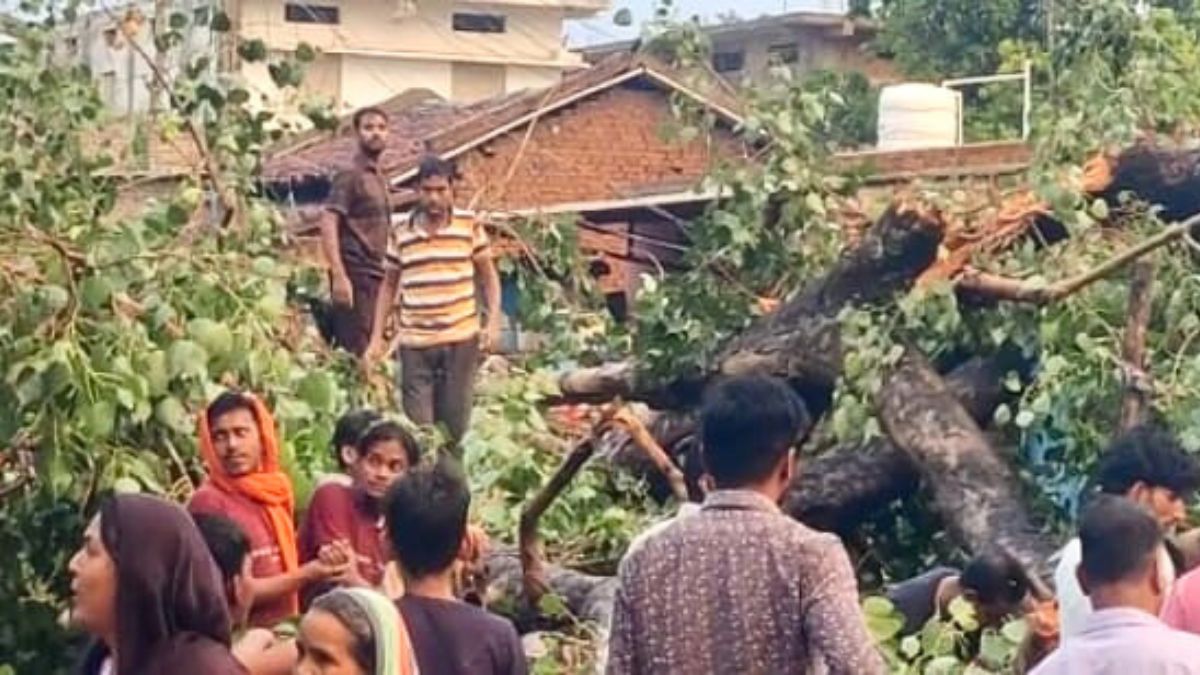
304,13
783,55
202,16
479,23
728,62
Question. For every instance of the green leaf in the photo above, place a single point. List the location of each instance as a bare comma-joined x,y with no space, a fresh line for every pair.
178,21
623,17
99,419
910,646
95,291
318,390
221,24
185,358
126,485
1024,419
962,612
215,338
553,606
305,53
170,413
1015,631
250,51
943,665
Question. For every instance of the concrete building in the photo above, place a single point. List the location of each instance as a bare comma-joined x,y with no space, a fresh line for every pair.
368,50
745,51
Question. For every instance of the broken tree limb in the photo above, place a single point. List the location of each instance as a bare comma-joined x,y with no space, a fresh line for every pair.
975,491
799,342
533,574
1135,398
643,439
996,287
840,489
587,597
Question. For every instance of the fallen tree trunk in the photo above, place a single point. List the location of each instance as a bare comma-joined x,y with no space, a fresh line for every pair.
587,597
799,342
841,488
976,492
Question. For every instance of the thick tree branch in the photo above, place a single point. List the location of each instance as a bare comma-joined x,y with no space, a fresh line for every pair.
996,287
1133,349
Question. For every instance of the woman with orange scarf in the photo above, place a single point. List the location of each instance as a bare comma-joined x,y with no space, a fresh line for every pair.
246,484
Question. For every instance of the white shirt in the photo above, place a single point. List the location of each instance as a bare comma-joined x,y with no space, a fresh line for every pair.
1073,606
1124,641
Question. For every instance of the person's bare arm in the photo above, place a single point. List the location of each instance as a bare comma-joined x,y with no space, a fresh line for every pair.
267,589
485,270
386,300
341,290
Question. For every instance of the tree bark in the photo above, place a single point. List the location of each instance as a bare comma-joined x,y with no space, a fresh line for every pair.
1133,348
839,489
799,342
976,492
587,597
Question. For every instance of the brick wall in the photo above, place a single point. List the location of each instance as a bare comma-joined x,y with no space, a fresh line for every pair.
610,146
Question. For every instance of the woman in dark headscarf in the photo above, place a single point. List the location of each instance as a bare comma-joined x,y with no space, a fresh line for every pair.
146,587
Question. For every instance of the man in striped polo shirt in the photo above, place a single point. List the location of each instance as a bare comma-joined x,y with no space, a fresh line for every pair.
436,258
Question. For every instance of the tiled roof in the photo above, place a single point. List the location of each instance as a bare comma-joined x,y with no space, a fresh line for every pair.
451,129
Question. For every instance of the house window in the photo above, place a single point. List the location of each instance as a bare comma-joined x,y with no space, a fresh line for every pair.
110,38
729,62
783,55
295,12
469,22
202,16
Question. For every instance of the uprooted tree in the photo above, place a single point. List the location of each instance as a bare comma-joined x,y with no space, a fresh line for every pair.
965,350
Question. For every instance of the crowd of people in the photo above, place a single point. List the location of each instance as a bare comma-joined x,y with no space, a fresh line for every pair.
375,570
374,567
732,585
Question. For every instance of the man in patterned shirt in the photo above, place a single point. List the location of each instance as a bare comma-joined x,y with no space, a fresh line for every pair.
436,258
740,587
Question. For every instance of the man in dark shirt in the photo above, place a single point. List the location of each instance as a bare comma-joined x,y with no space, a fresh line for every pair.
994,583
427,527
354,233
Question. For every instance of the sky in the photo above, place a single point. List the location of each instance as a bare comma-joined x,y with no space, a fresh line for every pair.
602,29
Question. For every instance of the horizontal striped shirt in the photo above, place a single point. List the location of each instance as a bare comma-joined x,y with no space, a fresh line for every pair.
437,278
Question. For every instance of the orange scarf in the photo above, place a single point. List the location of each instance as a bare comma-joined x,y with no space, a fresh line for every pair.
269,486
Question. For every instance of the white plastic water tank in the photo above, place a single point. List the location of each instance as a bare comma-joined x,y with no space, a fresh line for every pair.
917,115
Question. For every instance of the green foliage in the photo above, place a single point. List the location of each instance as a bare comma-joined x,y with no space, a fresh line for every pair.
942,645
933,39
511,452
114,332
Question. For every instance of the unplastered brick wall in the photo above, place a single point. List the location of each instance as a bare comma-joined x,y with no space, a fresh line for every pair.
609,146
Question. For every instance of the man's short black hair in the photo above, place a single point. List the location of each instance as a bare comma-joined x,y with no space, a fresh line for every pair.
363,113
226,403
350,428
748,425
1119,539
387,430
426,515
1148,455
226,541
996,578
432,166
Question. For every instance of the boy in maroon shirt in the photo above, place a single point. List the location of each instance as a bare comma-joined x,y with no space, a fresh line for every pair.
345,523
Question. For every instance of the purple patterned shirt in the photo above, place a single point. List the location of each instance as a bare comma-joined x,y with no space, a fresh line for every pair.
739,588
